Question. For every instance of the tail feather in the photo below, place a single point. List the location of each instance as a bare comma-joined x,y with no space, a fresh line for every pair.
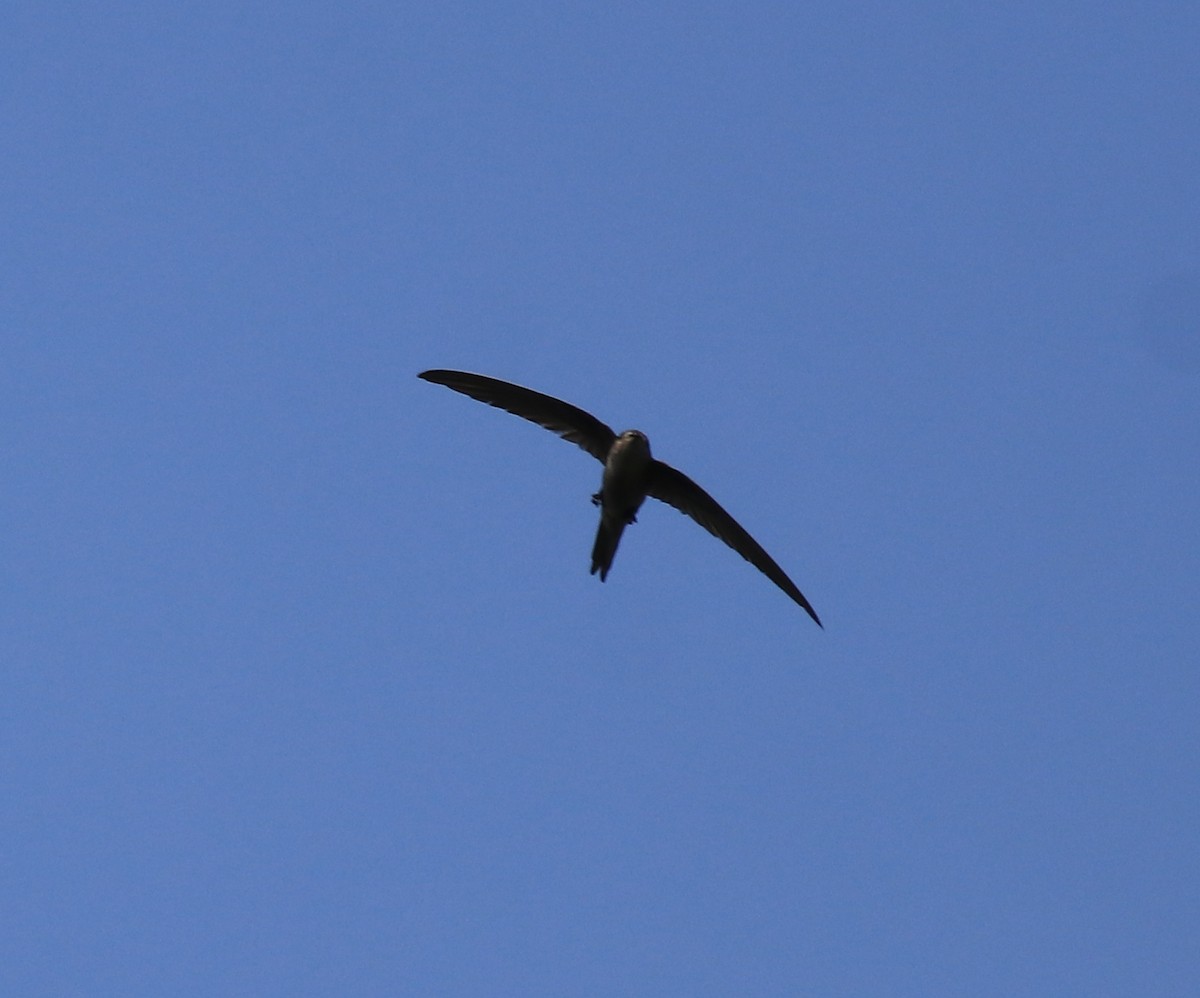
608,536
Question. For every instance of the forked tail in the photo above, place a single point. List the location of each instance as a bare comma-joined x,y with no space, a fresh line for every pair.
608,536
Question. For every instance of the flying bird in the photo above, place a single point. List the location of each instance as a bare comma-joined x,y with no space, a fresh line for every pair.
630,474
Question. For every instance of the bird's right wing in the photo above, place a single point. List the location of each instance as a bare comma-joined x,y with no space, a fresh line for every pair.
559,417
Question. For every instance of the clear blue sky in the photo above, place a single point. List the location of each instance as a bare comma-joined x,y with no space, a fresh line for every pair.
304,685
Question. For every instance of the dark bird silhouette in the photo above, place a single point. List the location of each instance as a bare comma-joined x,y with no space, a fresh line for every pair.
630,474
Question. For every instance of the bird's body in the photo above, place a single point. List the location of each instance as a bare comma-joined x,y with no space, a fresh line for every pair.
623,489
630,474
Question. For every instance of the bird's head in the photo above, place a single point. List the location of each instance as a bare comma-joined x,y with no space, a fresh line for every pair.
635,440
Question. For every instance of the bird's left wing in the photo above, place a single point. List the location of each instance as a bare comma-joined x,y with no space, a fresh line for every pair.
559,417
676,489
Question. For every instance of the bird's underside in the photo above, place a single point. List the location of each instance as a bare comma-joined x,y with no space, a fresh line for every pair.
630,474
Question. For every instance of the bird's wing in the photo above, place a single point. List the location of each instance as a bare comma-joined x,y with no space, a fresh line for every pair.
555,415
676,489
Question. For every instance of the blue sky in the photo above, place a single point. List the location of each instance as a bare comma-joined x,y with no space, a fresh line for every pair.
304,685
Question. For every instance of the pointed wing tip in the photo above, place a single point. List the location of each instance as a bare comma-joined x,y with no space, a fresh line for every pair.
807,608
444,376
811,612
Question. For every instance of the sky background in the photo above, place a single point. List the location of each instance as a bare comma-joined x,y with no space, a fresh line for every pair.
304,685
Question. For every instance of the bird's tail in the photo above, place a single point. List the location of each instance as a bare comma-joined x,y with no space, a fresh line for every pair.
608,536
